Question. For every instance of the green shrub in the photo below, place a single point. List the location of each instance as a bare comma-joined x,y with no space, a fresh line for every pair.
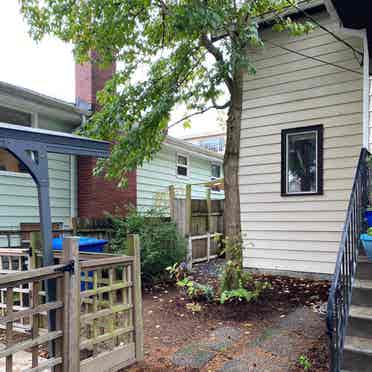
196,291
161,243
239,294
304,362
233,277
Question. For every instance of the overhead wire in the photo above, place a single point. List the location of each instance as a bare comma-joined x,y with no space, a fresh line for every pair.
340,39
313,58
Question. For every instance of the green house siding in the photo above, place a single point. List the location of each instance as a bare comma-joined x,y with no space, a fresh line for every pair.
18,195
155,177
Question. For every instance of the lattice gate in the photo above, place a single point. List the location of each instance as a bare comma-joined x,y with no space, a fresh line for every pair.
98,312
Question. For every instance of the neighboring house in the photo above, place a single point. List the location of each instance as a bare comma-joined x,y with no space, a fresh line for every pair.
303,125
18,194
211,141
74,190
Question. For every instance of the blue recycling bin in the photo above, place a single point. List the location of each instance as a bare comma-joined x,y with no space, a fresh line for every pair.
368,216
367,245
86,244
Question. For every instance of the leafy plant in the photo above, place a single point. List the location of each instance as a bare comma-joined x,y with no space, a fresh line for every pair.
233,277
177,271
304,362
240,294
161,243
196,291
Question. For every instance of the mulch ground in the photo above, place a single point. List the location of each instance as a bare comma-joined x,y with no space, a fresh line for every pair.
169,324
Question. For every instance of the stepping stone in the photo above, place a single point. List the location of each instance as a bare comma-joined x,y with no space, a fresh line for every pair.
234,366
222,338
194,356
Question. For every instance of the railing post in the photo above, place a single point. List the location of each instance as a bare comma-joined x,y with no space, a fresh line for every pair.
189,253
134,250
71,334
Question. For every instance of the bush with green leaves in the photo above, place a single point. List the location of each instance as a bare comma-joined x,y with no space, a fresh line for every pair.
196,291
304,362
235,283
161,243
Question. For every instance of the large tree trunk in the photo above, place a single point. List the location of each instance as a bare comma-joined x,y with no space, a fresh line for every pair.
232,224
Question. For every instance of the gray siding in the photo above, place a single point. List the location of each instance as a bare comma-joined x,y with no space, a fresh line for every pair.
299,233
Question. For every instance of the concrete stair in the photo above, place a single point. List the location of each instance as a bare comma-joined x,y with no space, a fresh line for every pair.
357,354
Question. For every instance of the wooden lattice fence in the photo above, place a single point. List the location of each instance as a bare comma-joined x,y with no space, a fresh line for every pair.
97,309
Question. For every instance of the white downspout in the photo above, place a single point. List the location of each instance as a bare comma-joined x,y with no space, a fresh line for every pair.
366,92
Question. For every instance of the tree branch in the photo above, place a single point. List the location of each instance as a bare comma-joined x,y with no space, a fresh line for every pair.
227,104
217,54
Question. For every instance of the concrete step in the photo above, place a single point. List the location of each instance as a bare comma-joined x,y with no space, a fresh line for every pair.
364,268
357,354
362,293
360,322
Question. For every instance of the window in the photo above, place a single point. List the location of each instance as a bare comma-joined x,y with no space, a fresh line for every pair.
9,163
302,161
182,166
216,171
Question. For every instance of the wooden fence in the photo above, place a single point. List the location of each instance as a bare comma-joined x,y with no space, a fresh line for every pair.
200,221
97,308
99,228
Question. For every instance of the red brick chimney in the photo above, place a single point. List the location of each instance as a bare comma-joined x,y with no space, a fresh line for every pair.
96,196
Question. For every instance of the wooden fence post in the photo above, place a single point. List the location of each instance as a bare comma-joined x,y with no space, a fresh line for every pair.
208,246
188,210
188,226
35,244
172,197
71,334
134,250
209,209
189,253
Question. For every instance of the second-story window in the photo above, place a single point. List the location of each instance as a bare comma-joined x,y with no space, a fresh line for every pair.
216,171
182,166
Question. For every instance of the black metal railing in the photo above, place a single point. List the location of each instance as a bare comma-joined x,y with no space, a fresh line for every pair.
340,293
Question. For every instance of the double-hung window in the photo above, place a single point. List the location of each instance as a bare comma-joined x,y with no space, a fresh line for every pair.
302,161
216,171
182,165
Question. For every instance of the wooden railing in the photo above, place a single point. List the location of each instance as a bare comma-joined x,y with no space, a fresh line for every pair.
97,307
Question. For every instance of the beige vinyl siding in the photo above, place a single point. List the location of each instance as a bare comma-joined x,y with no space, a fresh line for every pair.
298,233
370,111
155,177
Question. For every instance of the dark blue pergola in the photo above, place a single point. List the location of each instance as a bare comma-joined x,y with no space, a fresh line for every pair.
31,146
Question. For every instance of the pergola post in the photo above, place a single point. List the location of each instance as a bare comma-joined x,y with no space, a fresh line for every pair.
31,146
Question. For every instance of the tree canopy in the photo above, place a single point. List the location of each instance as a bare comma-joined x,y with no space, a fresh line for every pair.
170,52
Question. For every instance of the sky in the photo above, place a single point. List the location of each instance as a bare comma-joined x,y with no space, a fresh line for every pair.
48,67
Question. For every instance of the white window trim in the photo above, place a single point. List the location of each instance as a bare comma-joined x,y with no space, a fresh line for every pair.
218,165
182,165
316,162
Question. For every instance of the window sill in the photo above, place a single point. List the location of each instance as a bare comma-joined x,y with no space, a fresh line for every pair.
302,194
182,177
